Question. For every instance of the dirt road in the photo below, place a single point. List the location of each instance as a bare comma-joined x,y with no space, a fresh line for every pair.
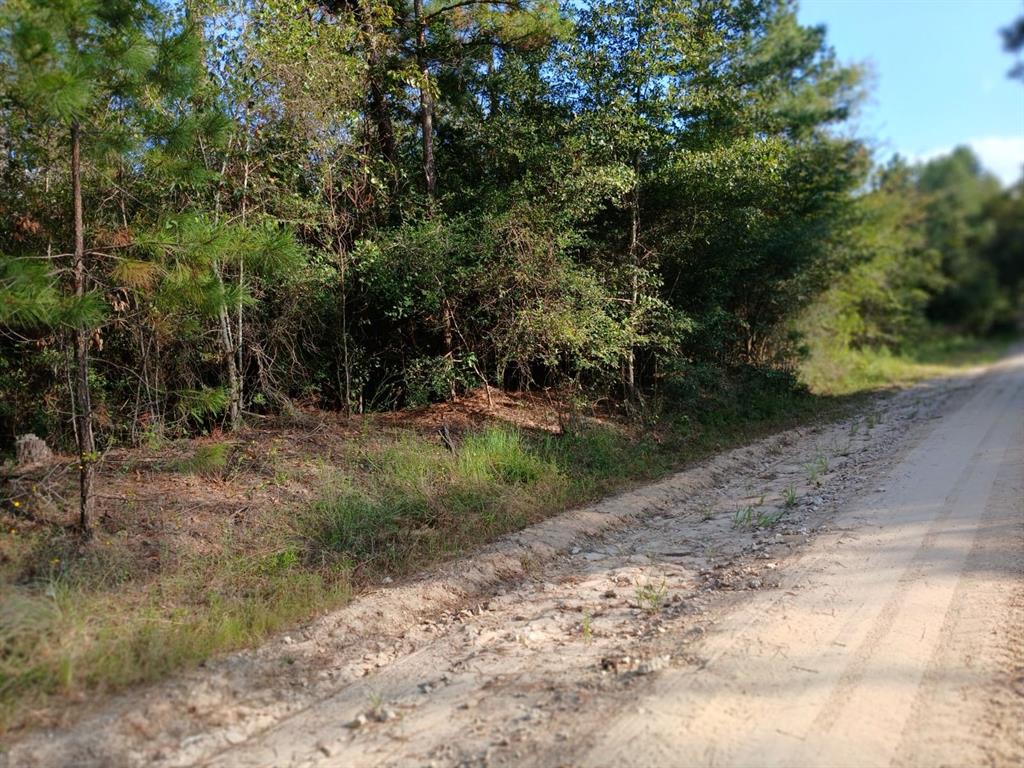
851,595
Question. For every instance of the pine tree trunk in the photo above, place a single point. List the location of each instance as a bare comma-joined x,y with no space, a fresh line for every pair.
448,339
237,376
234,383
426,102
83,400
634,297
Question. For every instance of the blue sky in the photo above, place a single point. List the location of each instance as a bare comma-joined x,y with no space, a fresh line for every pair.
939,75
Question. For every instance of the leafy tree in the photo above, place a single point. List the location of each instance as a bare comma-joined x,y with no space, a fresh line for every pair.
718,115
888,273
956,191
1004,248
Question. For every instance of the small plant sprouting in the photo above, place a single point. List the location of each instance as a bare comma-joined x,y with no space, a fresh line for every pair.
747,518
651,597
789,497
587,632
815,469
768,519
743,517
375,698
707,513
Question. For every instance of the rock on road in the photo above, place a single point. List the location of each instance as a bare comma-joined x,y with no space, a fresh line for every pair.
849,595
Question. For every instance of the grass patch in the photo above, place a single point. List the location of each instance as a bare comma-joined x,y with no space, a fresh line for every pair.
208,460
789,497
846,372
68,634
419,502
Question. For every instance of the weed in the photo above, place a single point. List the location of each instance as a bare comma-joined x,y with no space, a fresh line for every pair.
707,513
500,455
651,597
347,522
743,517
586,631
789,497
816,468
768,519
375,699
153,438
530,565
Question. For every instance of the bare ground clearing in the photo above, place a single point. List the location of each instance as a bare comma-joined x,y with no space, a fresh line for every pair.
842,595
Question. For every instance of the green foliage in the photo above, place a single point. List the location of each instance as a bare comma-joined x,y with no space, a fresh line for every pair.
208,459
29,296
74,637
929,245
651,597
201,404
625,192
77,619
845,372
957,191
347,522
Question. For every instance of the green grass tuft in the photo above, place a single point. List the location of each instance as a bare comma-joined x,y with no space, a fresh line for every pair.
208,460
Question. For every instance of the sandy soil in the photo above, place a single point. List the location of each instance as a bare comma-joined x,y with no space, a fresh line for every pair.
850,594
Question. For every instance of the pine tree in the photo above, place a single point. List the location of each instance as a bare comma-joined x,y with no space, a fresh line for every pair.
91,69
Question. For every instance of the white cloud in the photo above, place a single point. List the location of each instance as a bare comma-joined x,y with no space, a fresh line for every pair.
1002,155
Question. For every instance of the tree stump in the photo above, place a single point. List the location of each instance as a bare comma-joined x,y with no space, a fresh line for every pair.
31,450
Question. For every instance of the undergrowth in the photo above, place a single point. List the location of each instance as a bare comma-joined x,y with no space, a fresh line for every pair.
75,619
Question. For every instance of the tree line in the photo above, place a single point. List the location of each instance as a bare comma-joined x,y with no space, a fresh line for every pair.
213,208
